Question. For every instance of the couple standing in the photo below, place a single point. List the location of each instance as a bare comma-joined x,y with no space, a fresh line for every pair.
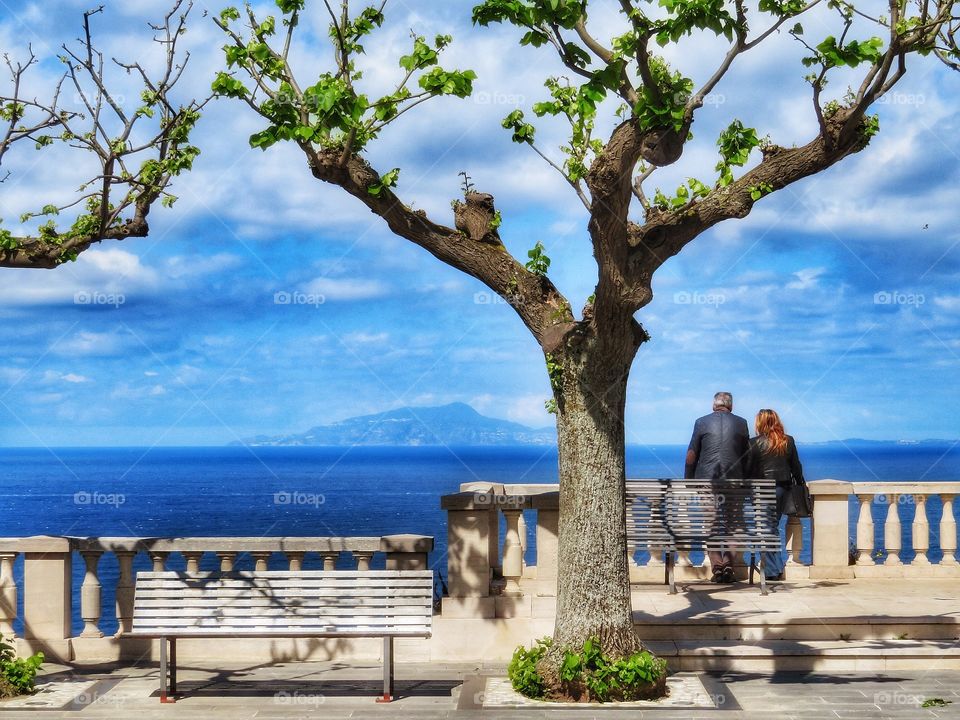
721,448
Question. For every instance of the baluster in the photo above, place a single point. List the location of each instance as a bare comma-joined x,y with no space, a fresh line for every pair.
363,559
794,539
656,556
193,560
159,560
125,590
330,560
684,559
295,560
8,596
90,595
522,531
891,531
512,552
261,561
227,559
921,531
948,532
865,535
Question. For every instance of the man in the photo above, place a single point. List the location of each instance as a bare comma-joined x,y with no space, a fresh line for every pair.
718,450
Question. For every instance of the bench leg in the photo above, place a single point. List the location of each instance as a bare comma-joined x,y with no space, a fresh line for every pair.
670,578
164,696
387,671
763,576
173,666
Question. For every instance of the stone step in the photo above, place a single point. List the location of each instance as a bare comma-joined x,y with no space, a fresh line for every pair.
778,626
813,655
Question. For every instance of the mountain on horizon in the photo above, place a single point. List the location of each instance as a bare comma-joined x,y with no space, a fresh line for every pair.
453,424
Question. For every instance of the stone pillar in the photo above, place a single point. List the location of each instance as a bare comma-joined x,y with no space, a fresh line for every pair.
865,531
227,559
948,532
406,552
363,559
469,546
831,526
261,561
295,561
125,591
47,574
921,531
512,552
330,559
91,601
193,560
8,595
891,531
159,559
547,506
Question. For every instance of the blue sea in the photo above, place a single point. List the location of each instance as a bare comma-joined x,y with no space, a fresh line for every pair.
300,491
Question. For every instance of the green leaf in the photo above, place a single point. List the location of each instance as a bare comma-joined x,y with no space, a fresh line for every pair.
228,14
387,180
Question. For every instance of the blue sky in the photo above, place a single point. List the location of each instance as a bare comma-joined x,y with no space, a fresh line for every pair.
835,302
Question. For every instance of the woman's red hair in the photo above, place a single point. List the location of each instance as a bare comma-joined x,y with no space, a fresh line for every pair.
770,428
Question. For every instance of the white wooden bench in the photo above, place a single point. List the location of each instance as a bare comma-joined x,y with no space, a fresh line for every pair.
674,514
282,604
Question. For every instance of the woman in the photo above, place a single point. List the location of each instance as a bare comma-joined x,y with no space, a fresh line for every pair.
773,454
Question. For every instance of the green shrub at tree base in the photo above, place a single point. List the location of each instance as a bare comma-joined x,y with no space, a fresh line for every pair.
589,675
17,675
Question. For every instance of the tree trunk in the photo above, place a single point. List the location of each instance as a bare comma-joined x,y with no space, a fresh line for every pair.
593,591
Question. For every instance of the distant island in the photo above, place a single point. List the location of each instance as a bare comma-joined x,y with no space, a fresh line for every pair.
453,424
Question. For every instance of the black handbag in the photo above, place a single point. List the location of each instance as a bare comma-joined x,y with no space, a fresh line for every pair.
797,501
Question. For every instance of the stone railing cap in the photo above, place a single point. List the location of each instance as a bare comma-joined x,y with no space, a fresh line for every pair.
35,544
483,501
546,501
406,543
830,487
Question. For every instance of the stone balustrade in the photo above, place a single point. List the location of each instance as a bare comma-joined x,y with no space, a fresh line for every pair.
48,598
857,530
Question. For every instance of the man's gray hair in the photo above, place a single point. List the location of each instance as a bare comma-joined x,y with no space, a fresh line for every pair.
723,400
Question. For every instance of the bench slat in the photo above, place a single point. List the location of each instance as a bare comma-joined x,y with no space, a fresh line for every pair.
264,601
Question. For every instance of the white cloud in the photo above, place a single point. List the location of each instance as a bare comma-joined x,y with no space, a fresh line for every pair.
74,378
94,344
806,278
334,289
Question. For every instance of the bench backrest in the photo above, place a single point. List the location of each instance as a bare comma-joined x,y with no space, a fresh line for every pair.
309,602
693,514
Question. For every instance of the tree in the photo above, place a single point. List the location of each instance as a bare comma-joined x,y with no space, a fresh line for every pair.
135,166
652,107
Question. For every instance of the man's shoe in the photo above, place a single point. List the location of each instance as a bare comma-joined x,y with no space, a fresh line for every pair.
727,575
717,576
774,578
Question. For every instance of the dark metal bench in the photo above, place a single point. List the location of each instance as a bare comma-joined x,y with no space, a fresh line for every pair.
282,604
704,515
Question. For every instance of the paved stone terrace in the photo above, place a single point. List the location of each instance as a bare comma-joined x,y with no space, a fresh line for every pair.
432,692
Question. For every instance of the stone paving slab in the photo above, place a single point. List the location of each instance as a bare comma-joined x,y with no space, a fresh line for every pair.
339,691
